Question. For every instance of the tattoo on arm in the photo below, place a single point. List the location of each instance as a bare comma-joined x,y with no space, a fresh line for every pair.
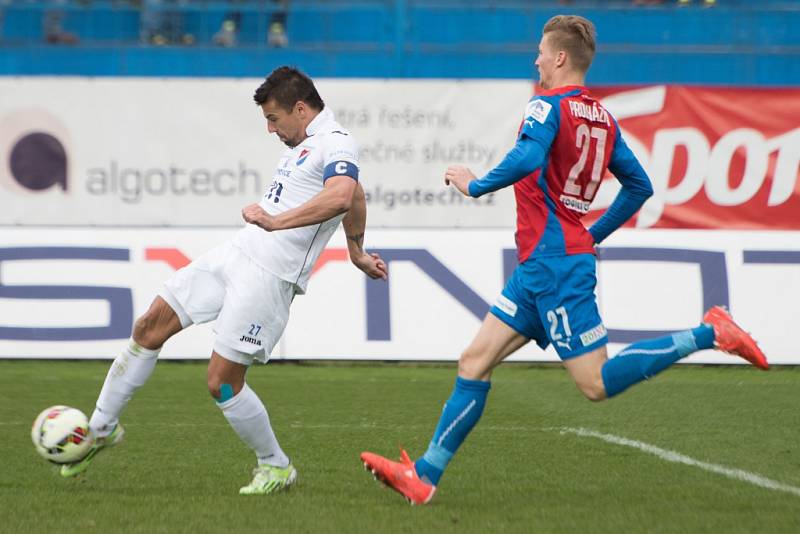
358,239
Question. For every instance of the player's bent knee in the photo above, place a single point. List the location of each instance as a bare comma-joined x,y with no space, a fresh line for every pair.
213,389
143,332
225,379
472,364
593,391
222,390
153,328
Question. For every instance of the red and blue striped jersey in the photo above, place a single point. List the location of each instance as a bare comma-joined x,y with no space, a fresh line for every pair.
580,140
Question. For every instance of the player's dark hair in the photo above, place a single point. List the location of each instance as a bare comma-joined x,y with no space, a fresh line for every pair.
287,86
576,36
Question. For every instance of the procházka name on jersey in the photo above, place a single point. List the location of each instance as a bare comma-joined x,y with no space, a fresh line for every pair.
591,112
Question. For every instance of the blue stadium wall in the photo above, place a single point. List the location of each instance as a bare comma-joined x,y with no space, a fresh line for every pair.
151,184
733,43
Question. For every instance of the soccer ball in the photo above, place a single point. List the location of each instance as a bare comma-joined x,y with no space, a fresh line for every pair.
61,434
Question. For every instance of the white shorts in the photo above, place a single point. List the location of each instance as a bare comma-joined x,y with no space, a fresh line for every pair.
251,305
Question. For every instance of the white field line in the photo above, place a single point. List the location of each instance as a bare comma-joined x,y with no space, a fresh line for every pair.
322,426
672,456
664,454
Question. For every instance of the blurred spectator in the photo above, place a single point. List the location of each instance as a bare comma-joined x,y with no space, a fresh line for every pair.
681,3
3,3
52,21
161,25
276,35
228,33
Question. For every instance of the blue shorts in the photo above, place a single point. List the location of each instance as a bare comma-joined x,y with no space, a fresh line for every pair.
552,300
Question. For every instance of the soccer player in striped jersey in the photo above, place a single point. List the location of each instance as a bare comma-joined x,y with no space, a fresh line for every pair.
565,144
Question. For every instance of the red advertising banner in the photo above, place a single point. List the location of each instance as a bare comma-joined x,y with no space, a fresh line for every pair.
719,158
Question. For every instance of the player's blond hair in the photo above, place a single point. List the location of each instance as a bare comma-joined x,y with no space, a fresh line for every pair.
574,35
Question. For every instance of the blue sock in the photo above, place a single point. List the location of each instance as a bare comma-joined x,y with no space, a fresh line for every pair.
461,412
649,357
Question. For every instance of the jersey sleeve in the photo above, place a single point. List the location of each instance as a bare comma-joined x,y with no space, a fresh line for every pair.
536,135
526,156
627,169
636,189
541,121
340,156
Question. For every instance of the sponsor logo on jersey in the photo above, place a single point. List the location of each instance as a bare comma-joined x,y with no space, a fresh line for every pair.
251,340
506,305
344,154
303,156
575,204
593,335
591,112
537,110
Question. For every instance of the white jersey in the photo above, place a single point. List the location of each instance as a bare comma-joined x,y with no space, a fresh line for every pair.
290,254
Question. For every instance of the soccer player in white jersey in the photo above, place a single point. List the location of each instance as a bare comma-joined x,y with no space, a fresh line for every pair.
248,283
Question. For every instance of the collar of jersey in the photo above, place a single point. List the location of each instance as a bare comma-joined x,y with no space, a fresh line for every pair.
561,90
324,116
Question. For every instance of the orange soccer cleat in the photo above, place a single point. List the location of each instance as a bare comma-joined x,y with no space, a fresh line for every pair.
730,338
400,476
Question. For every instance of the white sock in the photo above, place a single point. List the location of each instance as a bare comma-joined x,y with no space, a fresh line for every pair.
248,417
129,372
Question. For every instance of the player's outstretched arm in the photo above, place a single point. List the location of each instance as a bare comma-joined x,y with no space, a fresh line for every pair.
355,223
526,156
333,200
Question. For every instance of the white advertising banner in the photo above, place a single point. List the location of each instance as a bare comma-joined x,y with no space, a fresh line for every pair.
189,152
73,293
192,152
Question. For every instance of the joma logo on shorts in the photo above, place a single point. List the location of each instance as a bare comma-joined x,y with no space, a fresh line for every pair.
252,340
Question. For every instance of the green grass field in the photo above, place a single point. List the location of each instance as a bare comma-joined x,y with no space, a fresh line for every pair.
180,467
